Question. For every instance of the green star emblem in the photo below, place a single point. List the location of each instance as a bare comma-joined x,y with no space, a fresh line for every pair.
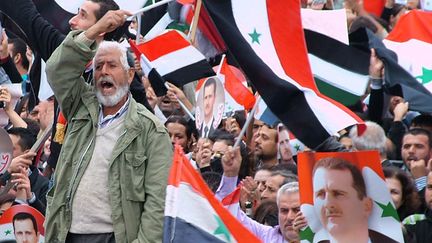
388,210
8,232
222,229
426,76
307,234
297,147
255,36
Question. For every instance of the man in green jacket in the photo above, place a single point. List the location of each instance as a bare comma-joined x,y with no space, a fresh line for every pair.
112,173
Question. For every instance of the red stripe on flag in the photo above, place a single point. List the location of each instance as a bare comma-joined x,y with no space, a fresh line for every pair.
374,6
288,39
232,198
413,25
290,45
234,86
182,171
161,45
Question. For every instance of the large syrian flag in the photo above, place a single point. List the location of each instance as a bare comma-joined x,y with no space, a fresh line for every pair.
266,38
193,214
411,40
383,218
338,68
173,57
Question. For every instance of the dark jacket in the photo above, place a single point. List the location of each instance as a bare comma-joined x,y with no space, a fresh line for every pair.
422,229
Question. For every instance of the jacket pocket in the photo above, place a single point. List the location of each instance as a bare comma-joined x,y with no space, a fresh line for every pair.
135,176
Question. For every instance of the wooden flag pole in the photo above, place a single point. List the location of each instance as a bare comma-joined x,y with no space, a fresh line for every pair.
195,20
248,121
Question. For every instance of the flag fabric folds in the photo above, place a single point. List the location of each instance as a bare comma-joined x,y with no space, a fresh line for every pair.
173,57
266,38
411,40
340,70
192,213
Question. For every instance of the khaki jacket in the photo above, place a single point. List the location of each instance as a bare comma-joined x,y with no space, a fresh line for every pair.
140,162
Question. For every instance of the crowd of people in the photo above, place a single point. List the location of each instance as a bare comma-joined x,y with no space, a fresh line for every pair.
102,174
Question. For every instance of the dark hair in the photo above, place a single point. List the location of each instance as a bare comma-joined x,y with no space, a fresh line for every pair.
332,163
32,125
240,117
410,198
210,81
19,47
212,179
287,175
421,121
26,137
23,216
104,7
289,168
420,131
267,213
180,120
221,135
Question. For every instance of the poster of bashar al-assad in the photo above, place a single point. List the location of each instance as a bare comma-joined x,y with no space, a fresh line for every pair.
210,106
344,198
22,223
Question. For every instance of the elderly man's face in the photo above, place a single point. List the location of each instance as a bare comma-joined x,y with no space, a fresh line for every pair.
289,206
337,202
111,77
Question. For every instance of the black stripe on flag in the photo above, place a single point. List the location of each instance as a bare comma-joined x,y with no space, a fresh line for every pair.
286,101
189,73
337,53
178,230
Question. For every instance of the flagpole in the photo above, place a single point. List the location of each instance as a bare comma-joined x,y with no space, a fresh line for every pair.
248,121
220,65
195,19
138,36
145,9
182,105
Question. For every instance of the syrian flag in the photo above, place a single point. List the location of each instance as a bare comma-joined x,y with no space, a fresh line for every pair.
192,213
411,40
173,57
398,81
264,114
338,68
383,219
374,6
266,38
232,200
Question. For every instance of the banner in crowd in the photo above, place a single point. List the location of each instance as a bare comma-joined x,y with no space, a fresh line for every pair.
22,223
237,94
411,40
210,106
193,214
344,196
266,38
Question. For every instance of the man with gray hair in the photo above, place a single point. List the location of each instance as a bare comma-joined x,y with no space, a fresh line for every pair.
110,182
288,201
373,138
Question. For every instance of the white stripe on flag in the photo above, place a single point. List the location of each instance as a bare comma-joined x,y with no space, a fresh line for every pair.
176,60
351,82
183,202
250,19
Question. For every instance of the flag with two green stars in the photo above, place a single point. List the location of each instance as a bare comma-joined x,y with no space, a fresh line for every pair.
192,213
332,202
